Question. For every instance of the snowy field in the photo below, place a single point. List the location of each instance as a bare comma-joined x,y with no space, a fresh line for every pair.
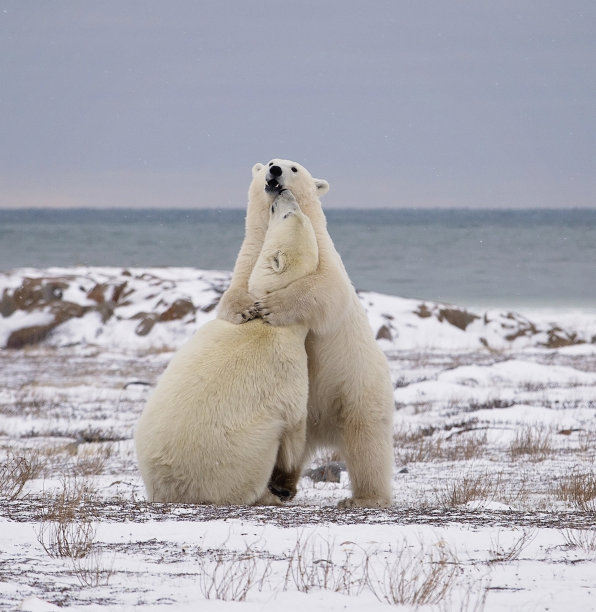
494,482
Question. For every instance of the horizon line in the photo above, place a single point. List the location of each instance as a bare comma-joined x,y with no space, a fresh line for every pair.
336,208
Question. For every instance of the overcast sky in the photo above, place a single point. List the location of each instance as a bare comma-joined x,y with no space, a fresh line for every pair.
396,103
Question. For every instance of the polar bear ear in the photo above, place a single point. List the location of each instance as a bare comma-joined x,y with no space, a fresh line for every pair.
256,169
322,187
278,262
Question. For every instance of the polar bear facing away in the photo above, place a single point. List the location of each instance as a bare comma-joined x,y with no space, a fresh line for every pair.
350,404
231,405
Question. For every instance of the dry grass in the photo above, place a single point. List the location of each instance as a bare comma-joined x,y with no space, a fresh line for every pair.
407,575
418,578
502,554
426,446
416,407
92,461
29,402
469,488
533,442
311,565
495,403
67,528
74,459
404,575
89,570
231,576
579,489
518,491
587,444
582,539
16,471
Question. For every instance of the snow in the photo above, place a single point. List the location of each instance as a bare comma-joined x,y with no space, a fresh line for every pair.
493,425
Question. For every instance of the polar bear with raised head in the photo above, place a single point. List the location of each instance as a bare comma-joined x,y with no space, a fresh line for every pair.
232,403
350,391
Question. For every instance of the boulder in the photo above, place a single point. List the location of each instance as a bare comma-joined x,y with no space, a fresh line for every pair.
29,335
178,310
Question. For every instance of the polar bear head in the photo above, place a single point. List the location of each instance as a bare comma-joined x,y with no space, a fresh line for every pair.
280,174
290,248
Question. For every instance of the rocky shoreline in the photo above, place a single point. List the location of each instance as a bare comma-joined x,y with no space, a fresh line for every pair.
94,305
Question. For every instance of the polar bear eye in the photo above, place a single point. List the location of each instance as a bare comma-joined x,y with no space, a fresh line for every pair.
294,169
270,164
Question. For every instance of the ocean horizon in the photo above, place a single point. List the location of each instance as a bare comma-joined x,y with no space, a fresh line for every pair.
496,257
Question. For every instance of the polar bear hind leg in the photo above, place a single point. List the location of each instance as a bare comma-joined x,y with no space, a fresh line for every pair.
288,466
367,449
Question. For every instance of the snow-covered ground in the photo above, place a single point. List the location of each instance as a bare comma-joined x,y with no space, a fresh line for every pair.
494,484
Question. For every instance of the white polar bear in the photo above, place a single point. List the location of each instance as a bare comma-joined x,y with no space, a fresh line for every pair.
231,404
350,391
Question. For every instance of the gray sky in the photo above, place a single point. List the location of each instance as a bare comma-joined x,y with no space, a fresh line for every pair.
397,103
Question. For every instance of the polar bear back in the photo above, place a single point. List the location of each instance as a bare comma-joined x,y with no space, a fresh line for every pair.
224,398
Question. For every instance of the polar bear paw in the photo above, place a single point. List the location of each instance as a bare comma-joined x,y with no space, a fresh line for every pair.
237,306
363,502
283,484
268,499
275,309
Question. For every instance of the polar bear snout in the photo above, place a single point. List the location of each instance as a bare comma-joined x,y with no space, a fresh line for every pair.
284,205
274,179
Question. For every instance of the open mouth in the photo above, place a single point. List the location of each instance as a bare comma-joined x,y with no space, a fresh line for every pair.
273,186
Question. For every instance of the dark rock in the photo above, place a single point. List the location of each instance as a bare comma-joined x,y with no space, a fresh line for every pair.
28,295
146,324
7,305
423,312
458,318
28,335
106,311
97,294
384,333
33,293
53,290
210,307
524,327
118,292
330,472
558,338
178,310
63,311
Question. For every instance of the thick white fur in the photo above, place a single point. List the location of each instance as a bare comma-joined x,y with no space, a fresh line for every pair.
350,392
231,405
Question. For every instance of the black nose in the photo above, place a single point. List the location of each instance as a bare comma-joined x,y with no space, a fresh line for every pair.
275,170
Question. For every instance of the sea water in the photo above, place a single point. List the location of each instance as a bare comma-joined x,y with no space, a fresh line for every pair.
490,258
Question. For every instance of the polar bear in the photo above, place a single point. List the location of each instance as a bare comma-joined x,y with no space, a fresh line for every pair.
232,403
350,391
